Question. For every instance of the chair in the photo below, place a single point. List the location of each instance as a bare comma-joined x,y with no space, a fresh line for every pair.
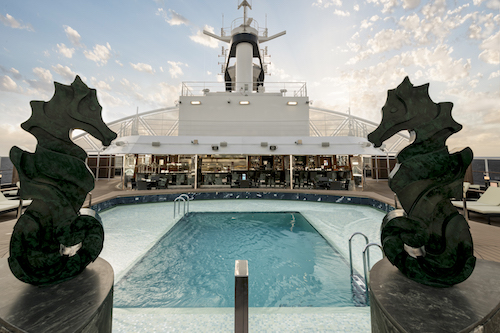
488,204
7,205
336,185
142,185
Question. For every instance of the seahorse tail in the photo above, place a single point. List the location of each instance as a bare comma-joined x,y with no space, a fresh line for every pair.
397,231
404,241
456,262
37,256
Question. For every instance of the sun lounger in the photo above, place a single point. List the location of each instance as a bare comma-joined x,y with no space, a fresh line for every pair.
7,205
487,204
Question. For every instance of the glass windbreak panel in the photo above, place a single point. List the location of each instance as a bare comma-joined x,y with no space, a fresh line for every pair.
494,169
290,264
478,171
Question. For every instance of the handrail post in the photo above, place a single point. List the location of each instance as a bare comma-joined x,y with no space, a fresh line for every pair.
366,268
350,248
241,296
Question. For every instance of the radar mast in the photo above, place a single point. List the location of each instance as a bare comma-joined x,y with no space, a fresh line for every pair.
244,75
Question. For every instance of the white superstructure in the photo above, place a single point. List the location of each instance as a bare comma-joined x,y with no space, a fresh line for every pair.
243,127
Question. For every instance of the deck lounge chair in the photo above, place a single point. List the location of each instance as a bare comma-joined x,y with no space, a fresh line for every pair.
7,205
488,204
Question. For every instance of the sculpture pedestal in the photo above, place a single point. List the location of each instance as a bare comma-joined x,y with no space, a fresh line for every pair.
82,304
399,304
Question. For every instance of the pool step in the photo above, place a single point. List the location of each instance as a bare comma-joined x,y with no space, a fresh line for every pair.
358,288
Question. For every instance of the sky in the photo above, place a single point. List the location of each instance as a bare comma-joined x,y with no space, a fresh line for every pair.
136,53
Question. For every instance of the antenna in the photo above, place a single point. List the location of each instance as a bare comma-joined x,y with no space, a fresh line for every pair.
222,26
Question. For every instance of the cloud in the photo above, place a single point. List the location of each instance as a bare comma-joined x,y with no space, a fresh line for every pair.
491,47
131,89
65,51
101,54
166,94
119,63
435,8
7,84
43,74
389,5
172,17
44,84
339,12
12,72
203,39
411,4
14,135
327,3
10,21
493,4
141,67
175,69
494,75
64,71
99,85
73,36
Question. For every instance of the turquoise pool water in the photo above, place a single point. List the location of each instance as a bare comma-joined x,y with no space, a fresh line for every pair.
290,264
132,230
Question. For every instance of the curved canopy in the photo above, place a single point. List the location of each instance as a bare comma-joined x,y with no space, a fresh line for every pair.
164,123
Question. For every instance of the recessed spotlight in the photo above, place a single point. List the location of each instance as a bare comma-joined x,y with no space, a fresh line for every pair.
244,102
292,103
195,102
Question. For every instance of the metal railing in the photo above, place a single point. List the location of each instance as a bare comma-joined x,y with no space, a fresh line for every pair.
360,285
184,198
200,88
366,268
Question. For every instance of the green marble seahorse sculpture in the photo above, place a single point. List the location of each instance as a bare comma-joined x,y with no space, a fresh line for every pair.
428,240
54,240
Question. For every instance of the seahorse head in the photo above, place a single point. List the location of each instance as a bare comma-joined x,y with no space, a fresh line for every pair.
72,107
406,108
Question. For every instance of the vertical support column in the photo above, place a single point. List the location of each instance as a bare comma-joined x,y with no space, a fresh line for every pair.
109,167
195,171
241,296
97,166
123,173
388,166
291,172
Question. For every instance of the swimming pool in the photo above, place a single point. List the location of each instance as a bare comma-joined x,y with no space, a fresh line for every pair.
132,230
291,264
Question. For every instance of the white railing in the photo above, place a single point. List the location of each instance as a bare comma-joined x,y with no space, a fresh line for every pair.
199,88
184,198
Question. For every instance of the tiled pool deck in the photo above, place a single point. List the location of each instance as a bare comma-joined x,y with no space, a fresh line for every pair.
262,320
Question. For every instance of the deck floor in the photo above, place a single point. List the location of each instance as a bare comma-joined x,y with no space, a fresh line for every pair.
485,237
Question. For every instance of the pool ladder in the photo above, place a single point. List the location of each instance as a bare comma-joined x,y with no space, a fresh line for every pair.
359,285
184,198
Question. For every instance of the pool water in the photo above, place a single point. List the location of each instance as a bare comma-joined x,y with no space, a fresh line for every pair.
290,264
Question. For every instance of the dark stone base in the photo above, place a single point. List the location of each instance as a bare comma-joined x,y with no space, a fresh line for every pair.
399,304
83,304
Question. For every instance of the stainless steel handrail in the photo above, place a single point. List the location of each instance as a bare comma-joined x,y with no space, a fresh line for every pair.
184,198
350,248
366,268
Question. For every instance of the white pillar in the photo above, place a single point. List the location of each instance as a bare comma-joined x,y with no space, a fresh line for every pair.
196,171
244,67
